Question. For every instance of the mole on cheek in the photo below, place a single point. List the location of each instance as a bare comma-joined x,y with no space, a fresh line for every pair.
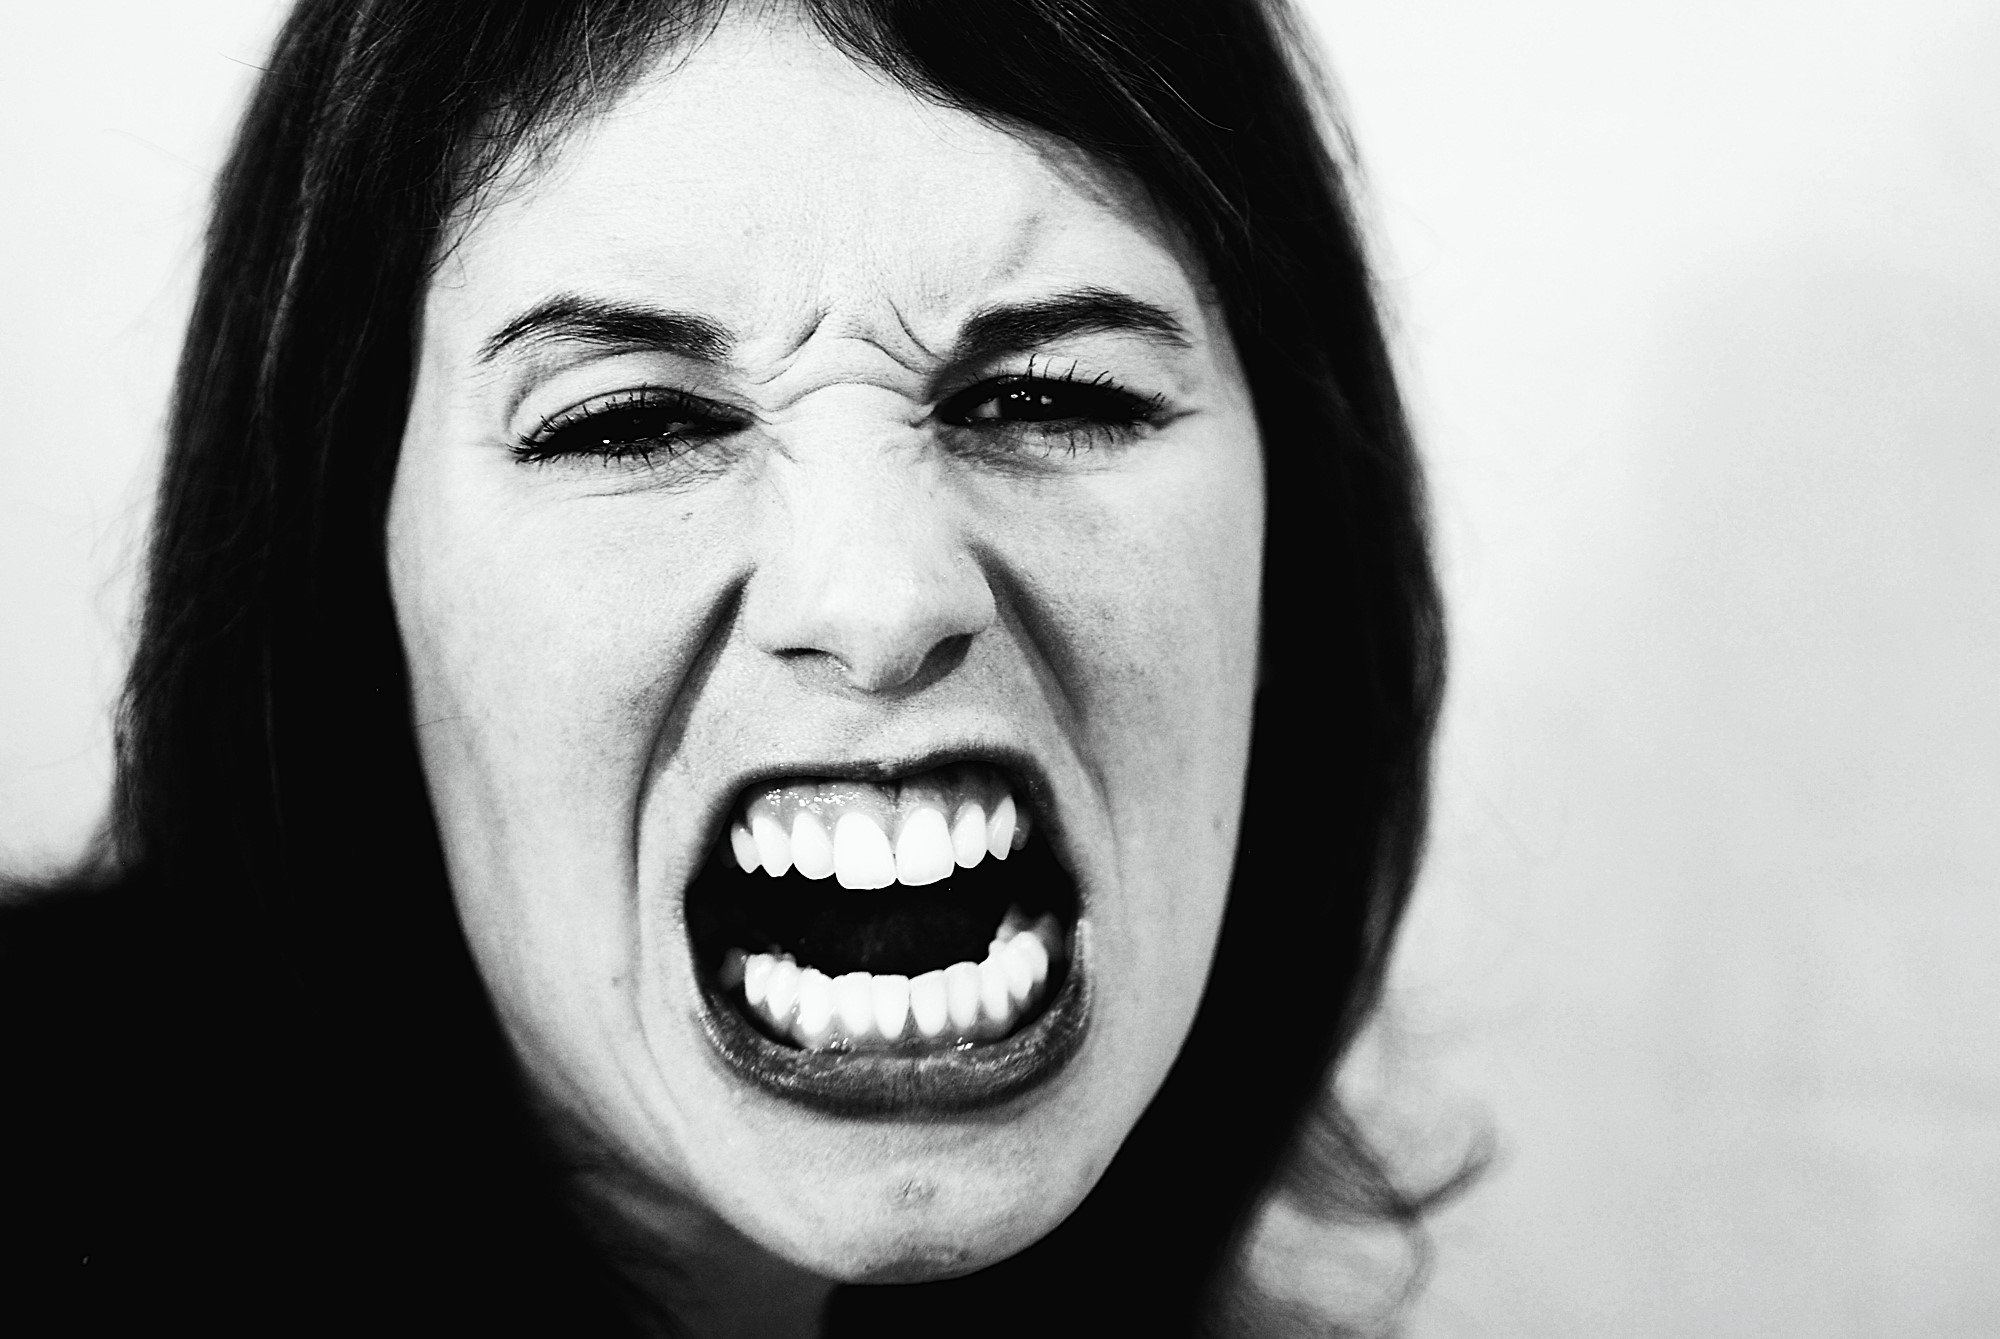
915,1192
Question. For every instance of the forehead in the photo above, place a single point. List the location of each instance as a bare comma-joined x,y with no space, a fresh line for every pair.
765,177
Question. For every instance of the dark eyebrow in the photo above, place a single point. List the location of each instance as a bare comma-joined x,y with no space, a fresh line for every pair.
614,325
1014,328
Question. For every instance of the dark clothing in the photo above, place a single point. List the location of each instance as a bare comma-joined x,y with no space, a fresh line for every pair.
189,1136
198,1133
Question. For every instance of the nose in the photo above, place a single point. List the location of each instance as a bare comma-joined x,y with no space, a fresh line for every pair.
867,575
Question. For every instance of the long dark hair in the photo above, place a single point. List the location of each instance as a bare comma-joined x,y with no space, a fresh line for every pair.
346,1106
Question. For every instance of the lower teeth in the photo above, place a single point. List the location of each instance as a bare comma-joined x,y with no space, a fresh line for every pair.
965,1002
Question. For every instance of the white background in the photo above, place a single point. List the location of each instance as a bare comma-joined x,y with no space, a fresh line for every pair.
1700,305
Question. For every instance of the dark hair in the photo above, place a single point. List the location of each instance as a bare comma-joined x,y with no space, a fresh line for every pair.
335,1094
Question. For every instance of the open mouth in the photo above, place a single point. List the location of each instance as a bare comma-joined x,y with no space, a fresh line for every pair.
889,947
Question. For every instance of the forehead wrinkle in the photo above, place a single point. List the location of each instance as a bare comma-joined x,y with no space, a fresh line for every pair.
808,328
821,270
905,347
832,358
1020,247
901,346
929,355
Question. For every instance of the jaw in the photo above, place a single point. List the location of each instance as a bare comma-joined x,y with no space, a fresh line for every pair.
855,1163
847,1164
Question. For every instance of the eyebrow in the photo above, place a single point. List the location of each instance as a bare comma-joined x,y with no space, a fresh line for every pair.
614,325
988,333
1016,327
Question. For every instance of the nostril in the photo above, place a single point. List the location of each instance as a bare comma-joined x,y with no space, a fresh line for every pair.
943,658
882,673
947,655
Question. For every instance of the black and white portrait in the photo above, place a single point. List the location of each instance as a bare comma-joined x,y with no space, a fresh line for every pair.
1229,667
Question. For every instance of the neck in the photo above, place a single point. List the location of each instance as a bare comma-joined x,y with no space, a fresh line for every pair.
690,1272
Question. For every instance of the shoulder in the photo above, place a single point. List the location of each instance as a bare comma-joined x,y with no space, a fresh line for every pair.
198,1122
89,974
76,966
127,1089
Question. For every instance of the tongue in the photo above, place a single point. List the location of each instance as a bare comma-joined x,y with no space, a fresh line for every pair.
895,930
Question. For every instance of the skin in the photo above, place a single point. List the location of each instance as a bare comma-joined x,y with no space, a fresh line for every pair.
602,652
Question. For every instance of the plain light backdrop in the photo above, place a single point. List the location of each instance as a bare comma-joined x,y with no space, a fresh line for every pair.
1700,310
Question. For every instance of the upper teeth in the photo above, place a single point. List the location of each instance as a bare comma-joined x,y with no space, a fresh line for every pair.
953,817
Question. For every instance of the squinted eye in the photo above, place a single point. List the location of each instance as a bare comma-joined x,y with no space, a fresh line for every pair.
1062,410
644,426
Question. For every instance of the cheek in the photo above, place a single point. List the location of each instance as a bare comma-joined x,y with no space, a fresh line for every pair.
1152,578
1159,573
546,639
546,646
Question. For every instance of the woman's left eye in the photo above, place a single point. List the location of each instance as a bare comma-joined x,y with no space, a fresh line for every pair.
643,426
1066,408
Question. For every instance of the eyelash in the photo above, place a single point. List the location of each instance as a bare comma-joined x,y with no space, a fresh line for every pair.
653,414
1101,412
654,423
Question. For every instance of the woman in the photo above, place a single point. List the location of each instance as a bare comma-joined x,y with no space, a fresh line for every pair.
788,645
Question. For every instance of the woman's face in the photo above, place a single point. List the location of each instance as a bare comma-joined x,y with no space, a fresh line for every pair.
803,476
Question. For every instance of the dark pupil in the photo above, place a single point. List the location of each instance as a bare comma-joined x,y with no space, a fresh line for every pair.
1034,406
621,427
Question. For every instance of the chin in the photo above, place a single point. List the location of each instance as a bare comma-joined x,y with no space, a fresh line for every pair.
888,1016
914,1247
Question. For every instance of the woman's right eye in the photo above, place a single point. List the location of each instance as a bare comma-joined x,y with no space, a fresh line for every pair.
643,427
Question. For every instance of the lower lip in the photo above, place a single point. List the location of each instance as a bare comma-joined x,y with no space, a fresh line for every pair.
942,1083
